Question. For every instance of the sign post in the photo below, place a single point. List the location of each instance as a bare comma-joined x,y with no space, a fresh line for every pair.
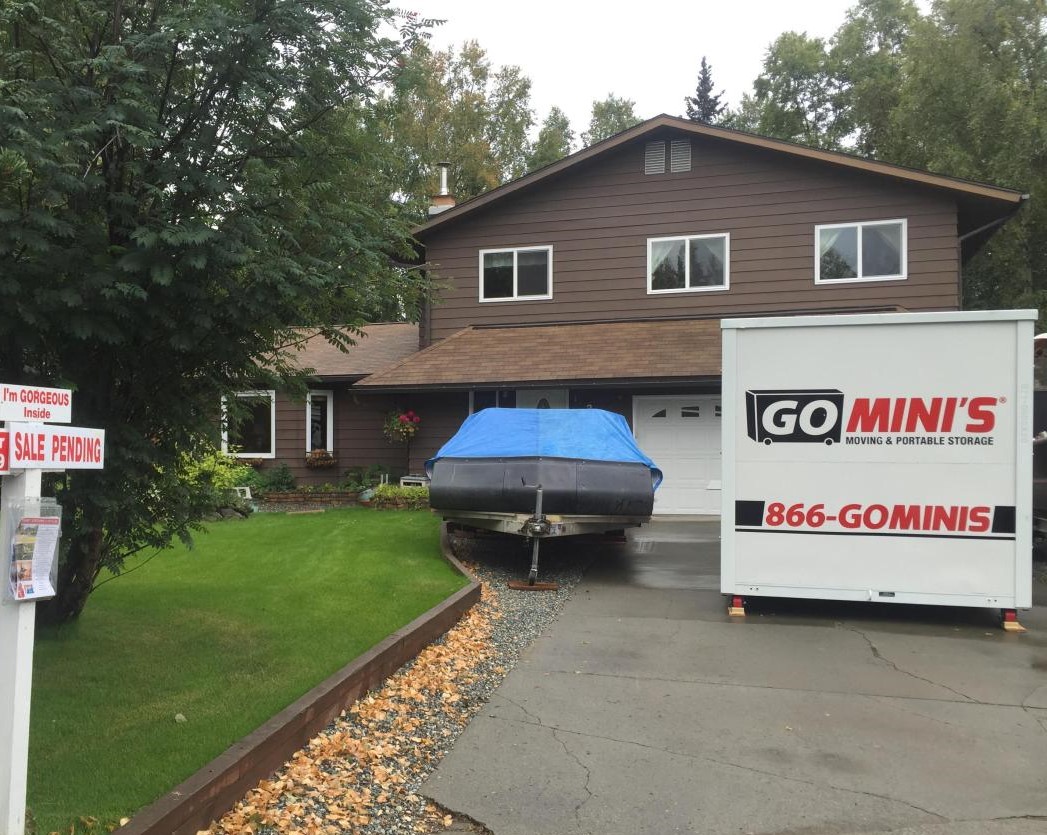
17,629
26,449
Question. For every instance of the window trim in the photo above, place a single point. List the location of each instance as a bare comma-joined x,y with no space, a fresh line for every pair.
687,264
249,393
860,224
329,394
515,250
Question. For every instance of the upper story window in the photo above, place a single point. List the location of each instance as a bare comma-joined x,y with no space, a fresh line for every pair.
873,251
319,421
250,427
686,264
511,274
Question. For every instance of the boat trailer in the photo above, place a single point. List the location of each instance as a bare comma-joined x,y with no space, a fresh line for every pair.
538,526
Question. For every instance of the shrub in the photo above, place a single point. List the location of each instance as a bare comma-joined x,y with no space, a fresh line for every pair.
216,470
276,480
392,495
361,478
212,476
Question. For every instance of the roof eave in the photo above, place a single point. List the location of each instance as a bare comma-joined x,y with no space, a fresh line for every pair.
582,382
909,175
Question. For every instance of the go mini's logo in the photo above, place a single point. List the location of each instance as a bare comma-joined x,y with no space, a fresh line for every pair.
815,416
796,416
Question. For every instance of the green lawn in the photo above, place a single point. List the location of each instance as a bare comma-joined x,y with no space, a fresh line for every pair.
226,634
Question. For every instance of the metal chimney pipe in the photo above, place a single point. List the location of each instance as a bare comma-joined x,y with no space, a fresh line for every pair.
443,166
444,200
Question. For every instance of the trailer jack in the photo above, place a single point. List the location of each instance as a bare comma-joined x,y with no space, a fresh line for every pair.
536,527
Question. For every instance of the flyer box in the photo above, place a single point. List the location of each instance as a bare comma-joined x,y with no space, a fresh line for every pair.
882,457
35,527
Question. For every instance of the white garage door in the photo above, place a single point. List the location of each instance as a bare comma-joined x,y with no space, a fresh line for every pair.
682,435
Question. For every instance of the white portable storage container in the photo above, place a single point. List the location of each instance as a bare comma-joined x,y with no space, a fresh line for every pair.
883,457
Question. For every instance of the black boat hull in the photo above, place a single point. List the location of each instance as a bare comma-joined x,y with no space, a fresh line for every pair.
570,486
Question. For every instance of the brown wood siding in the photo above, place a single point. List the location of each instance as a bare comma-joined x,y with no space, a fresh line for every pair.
598,217
358,438
441,413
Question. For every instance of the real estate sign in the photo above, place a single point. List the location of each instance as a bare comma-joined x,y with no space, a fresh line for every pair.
879,457
34,403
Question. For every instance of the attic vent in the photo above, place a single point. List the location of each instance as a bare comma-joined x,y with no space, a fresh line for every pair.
654,158
680,158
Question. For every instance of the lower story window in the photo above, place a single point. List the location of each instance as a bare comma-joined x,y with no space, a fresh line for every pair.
250,425
696,262
480,399
319,421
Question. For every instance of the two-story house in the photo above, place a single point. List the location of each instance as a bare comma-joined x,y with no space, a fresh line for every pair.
600,280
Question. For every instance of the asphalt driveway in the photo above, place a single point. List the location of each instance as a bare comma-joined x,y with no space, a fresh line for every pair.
645,709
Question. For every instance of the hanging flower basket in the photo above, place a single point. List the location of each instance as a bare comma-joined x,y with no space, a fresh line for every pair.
320,459
400,427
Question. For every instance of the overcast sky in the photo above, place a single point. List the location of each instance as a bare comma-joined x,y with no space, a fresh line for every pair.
575,51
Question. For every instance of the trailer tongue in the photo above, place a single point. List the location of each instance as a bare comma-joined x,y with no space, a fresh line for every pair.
542,473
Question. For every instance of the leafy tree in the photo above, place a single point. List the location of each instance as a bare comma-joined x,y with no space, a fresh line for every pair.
183,183
554,141
794,98
610,116
448,106
704,105
867,60
973,103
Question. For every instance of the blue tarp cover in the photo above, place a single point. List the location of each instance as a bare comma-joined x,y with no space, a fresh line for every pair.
592,434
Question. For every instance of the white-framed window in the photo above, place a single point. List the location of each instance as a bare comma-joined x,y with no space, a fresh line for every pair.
250,429
869,251
689,263
319,420
480,399
521,273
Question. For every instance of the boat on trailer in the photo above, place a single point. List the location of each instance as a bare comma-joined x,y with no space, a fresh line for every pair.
543,473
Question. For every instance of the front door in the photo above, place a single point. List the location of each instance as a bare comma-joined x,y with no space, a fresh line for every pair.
541,398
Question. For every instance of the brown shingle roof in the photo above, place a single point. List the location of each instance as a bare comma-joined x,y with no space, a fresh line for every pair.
669,350
377,348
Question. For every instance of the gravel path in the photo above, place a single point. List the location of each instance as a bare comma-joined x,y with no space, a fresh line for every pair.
364,772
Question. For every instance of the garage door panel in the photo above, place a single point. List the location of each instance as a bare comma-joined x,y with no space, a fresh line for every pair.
682,436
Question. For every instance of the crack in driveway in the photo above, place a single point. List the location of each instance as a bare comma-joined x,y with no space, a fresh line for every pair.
581,765
715,761
879,656
752,686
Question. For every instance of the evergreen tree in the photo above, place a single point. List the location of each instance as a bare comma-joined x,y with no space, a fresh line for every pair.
704,105
554,140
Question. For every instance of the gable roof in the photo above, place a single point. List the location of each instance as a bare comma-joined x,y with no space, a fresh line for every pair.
378,347
979,203
673,349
